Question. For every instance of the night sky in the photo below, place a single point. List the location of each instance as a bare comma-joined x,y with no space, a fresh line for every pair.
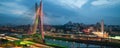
61,11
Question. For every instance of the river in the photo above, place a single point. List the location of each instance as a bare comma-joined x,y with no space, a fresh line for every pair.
73,44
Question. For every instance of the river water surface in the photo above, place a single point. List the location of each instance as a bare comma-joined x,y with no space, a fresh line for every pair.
73,44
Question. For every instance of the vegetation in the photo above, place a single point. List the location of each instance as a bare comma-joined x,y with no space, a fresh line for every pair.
54,45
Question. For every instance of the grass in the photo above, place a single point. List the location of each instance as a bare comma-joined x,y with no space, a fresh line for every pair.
55,45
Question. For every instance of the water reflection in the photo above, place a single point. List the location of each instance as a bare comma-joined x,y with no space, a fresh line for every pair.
73,44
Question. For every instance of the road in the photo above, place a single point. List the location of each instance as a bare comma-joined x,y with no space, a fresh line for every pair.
9,38
34,45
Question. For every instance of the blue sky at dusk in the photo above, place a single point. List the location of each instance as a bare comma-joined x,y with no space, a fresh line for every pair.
61,11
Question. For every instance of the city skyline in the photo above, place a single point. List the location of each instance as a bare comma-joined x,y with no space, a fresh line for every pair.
59,23
61,11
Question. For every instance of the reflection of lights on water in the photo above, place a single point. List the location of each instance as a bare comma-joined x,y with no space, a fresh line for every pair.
53,39
66,41
73,42
60,41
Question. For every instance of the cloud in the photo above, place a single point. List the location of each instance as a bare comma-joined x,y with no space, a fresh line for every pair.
74,4
14,8
105,2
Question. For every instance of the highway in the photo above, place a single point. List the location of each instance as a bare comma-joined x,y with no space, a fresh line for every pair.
34,45
9,38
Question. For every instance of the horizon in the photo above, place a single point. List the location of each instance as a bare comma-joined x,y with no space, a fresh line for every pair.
56,24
